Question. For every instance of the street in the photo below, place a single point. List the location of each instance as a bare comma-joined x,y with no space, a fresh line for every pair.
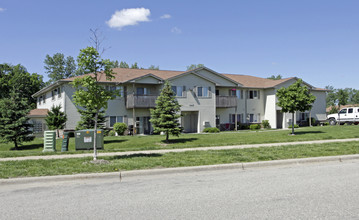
312,191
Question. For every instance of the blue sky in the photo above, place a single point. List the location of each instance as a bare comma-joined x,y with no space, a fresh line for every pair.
317,41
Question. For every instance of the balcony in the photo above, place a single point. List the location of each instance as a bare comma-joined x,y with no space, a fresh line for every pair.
226,101
141,101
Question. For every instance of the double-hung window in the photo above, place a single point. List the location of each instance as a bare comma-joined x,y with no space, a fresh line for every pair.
142,91
254,118
115,119
236,92
254,94
203,91
179,90
53,94
232,118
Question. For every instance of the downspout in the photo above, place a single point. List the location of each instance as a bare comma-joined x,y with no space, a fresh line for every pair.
133,109
245,105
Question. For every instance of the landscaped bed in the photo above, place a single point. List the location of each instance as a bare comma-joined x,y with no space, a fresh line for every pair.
29,168
152,142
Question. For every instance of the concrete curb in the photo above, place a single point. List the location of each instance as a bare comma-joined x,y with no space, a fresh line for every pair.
133,173
104,154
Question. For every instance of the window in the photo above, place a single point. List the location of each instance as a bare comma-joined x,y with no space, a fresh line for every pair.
121,90
303,116
53,94
115,119
179,90
203,91
350,110
236,92
44,98
253,118
254,94
40,100
142,91
232,118
59,92
239,94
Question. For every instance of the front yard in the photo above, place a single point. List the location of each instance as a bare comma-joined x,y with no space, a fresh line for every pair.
27,168
135,143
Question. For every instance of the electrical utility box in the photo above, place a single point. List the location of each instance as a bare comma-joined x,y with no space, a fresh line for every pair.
84,139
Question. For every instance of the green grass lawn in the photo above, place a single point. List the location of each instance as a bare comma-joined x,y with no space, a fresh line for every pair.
28,168
152,142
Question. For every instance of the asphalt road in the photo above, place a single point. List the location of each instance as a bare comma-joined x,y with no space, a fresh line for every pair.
312,191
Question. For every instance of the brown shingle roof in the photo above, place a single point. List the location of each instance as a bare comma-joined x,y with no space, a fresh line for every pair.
38,112
123,74
256,82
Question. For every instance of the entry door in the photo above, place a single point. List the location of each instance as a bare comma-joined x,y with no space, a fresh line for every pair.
190,122
144,125
279,119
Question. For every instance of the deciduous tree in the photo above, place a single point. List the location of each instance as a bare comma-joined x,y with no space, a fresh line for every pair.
18,77
275,77
295,97
58,67
88,119
90,94
194,66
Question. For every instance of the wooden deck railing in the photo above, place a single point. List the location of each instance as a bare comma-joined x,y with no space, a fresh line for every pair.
141,101
226,101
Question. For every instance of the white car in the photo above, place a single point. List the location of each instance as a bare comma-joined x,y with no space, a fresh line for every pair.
346,115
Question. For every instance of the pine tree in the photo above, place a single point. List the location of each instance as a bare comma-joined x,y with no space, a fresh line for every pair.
14,123
87,119
164,117
56,119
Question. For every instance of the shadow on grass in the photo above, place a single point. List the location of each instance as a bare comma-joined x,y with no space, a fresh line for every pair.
28,147
135,156
307,132
114,141
179,140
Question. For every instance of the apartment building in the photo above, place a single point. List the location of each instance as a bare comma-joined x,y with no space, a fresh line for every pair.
207,99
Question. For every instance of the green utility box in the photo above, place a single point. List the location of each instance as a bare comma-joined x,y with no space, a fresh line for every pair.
65,142
84,139
49,141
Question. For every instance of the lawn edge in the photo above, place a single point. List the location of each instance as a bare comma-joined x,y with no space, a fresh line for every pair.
160,171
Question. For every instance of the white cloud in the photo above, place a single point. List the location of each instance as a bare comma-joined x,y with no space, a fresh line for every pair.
2,9
176,30
166,16
128,17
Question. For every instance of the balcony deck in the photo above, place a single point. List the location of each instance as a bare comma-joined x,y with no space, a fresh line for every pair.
141,101
226,101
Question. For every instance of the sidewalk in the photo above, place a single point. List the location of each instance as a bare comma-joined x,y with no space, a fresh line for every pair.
63,156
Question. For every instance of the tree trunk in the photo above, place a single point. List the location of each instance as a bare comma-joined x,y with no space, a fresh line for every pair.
94,138
58,133
16,147
166,136
292,123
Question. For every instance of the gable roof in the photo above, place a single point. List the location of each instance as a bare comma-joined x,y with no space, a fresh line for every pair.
256,82
123,75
